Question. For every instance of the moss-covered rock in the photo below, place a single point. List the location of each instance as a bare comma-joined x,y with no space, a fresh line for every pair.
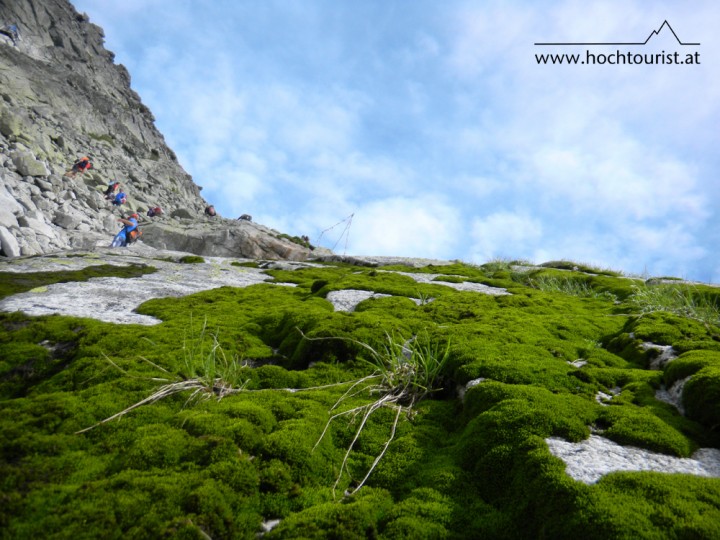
192,464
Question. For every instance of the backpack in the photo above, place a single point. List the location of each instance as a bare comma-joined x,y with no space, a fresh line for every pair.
133,235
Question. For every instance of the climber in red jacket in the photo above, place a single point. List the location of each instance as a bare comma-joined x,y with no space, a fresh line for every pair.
80,166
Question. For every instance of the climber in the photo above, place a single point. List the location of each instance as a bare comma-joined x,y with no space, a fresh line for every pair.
152,212
11,31
210,211
110,191
80,166
119,199
131,224
245,217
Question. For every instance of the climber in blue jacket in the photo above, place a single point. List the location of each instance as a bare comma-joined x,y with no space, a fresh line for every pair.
131,224
119,199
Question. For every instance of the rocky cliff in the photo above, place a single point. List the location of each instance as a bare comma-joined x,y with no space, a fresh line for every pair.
63,97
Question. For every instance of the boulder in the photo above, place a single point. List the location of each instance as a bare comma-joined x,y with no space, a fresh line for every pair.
29,244
37,224
110,223
43,184
27,165
88,240
183,213
8,243
10,124
67,195
8,208
67,219
223,238
26,202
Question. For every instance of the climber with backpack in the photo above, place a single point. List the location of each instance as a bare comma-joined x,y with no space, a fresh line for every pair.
120,199
110,191
80,166
129,233
157,211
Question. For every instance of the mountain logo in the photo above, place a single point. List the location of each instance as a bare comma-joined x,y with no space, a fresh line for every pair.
652,34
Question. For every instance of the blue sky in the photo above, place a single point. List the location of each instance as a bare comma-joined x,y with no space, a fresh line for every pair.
434,126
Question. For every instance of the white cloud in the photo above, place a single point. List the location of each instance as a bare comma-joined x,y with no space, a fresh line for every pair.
422,226
666,242
485,35
306,120
620,179
301,128
357,173
504,234
598,153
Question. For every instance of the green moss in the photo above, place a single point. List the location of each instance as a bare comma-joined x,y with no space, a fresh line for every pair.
449,279
664,328
637,426
191,259
686,345
296,240
102,137
689,363
317,285
455,469
357,518
424,514
157,446
701,397
580,267
651,504
579,283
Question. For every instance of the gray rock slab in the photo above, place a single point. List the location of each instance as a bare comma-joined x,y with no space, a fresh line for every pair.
666,354
462,286
223,238
99,297
368,260
113,299
348,299
591,459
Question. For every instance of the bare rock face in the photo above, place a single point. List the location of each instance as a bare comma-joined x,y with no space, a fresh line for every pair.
63,97
222,238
